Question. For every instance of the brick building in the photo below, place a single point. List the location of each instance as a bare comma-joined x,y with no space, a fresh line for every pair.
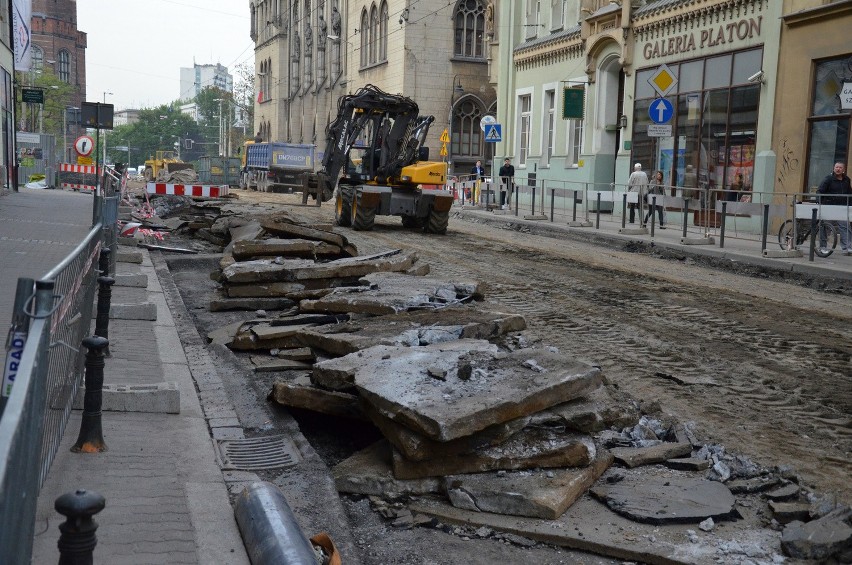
58,45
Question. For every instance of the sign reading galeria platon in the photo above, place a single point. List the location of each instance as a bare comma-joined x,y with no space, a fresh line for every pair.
846,96
716,36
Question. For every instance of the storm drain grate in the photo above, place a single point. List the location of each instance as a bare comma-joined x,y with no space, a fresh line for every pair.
258,453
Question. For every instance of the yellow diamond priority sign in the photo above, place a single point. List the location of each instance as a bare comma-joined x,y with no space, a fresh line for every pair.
663,80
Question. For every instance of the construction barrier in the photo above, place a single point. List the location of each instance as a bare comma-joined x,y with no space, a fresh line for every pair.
198,190
78,177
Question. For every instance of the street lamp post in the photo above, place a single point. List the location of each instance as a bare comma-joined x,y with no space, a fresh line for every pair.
105,131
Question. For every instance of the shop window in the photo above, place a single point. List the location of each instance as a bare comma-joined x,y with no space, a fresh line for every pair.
690,76
829,125
717,72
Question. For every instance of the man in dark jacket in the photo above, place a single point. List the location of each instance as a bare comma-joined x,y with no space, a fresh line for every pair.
507,182
838,191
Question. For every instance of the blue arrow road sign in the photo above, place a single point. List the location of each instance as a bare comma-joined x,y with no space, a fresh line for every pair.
660,111
493,133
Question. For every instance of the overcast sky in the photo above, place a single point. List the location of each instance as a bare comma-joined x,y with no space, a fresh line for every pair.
136,49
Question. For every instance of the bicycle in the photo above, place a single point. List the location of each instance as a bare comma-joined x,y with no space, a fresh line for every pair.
825,230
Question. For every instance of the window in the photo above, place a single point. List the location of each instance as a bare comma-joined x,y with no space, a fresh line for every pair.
38,60
575,142
829,126
64,66
383,32
470,29
374,33
524,123
365,38
564,15
549,125
467,135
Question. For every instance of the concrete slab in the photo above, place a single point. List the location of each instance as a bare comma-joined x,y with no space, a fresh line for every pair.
482,386
697,241
305,248
786,512
527,449
391,293
247,231
272,364
594,412
279,227
226,304
128,256
688,464
299,392
289,270
263,290
633,231
163,398
131,280
782,253
821,539
638,456
417,327
369,472
143,311
536,493
662,500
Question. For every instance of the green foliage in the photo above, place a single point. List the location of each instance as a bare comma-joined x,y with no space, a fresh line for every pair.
47,117
156,129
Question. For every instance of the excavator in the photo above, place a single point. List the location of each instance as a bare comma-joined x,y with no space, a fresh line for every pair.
375,163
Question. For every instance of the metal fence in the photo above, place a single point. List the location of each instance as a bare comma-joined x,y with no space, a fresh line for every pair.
49,373
696,212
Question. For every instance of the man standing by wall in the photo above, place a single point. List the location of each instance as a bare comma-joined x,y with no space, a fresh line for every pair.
837,191
638,182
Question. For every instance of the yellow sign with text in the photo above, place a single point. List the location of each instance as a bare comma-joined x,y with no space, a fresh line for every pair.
84,160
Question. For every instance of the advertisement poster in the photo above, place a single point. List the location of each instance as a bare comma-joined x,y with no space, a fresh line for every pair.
22,34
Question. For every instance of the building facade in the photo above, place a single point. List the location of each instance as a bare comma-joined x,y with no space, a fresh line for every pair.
7,99
308,53
59,46
198,77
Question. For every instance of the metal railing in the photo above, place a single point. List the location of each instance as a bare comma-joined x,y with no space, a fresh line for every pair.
49,374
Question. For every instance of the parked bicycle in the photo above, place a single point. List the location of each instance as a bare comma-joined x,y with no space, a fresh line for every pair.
826,235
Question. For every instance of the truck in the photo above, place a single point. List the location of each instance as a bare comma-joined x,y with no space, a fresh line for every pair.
167,161
376,163
276,166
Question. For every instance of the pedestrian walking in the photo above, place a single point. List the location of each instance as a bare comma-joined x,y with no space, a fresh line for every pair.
638,182
507,182
655,188
836,190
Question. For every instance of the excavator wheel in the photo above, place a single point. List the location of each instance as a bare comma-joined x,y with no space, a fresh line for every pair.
363,218
343,207
413,222
438,222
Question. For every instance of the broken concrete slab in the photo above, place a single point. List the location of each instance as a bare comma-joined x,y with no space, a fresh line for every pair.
248,231
663,500
263,290
527,449
277,227
758,484
585,526
416,447
369,472
389,293
592,413
417,327
786,512
131,280
142,311
295,354
829,536
536,493
482,386
264,364
225,304
785,492
638,456
225,334
304,248
688,464
295,270
298,392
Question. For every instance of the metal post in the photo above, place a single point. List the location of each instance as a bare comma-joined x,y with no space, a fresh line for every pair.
766,228
722,227
517,196
685,214
105,283
598,213
651,212
91,438
623,209
574,216
813,233
77,539
533,199
552,202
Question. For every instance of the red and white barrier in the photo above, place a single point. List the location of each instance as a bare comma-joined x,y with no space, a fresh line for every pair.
74,186
84,169
205,190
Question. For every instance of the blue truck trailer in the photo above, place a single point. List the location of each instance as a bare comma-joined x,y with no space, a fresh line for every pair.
277,167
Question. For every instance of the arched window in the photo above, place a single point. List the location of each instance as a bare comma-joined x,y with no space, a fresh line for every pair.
467,135
374,33
64,66
383,32
38,60
470,29
365,38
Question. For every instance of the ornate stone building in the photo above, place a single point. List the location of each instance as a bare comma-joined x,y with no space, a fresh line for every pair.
310,52
59,45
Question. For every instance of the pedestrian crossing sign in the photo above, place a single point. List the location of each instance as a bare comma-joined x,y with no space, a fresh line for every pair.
493,133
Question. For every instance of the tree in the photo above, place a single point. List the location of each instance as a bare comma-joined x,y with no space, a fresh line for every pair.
47,117
157,129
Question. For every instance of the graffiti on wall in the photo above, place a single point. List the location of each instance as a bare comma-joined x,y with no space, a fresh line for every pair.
789,163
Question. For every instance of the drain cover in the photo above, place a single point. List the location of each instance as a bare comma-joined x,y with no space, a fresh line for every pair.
257,453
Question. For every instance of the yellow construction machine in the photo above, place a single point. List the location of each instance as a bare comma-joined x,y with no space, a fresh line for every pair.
163,161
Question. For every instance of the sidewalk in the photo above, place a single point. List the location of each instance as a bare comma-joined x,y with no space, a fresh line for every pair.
737,252
166,498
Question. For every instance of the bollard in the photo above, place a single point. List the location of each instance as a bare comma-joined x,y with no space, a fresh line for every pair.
624,211
722,230
77,538
813,233
653,216
766,228
533,200
517,199
685,214
105,283
552,201
598,213
91,438
574,217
